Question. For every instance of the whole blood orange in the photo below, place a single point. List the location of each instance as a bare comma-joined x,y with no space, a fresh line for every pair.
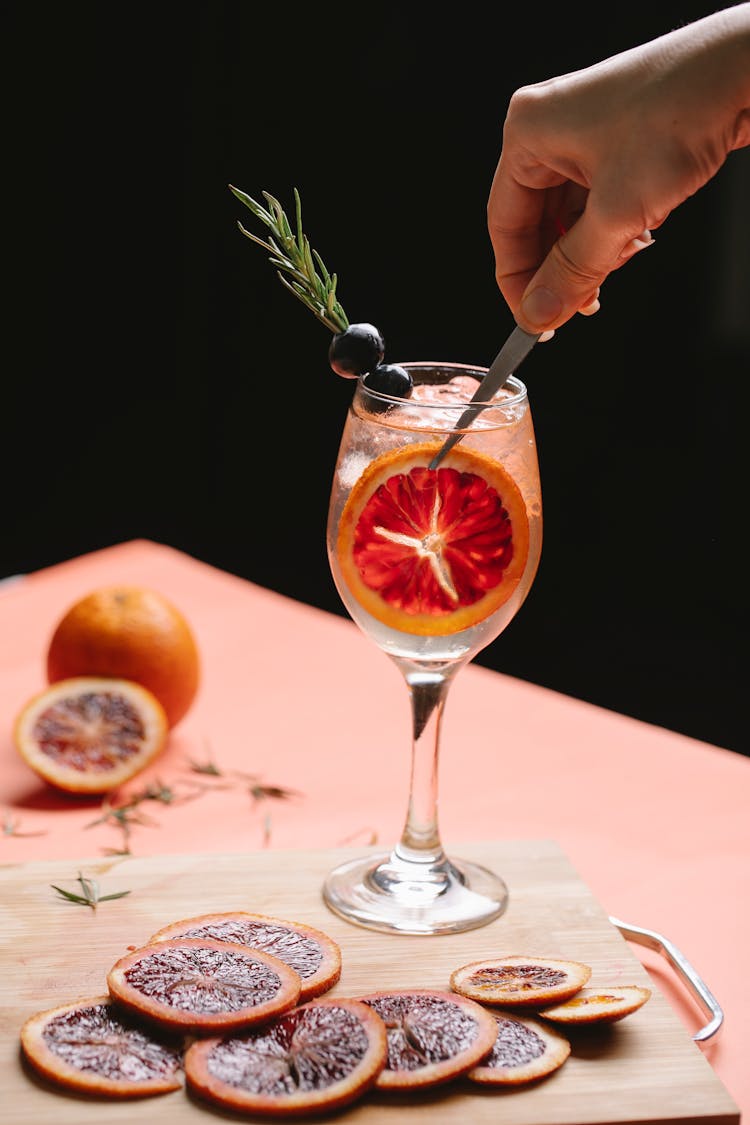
133,633
89,734
433,551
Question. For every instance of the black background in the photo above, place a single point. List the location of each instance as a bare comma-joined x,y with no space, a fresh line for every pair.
159,382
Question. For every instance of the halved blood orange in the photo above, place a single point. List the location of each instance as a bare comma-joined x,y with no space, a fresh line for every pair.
313,955
598,1005
524,1050
520,980
203,986
89,734
433,1036
320,1056
93,1047
433,551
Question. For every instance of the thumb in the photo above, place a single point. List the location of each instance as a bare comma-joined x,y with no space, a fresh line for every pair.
569,278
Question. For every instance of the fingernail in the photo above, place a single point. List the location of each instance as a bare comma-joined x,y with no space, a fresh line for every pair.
540,306
643,240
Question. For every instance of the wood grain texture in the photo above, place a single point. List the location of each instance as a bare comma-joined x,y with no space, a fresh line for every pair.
644,1069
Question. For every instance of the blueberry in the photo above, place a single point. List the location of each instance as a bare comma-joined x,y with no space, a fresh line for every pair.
357,350
389,379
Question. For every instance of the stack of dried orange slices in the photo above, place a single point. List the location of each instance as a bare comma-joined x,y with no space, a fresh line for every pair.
232,1005
524,994
313,955
227,1013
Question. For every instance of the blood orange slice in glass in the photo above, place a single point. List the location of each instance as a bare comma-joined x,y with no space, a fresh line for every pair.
433,1036
312,954
89,734
524,1050
92,1047
520,980
321,1056
203,986
433,551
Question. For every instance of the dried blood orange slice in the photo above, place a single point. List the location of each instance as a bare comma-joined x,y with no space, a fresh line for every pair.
598,1005
520,980
93,1047
433,1036
313,955
433,551
320,1056
89,734
203,986
524,1050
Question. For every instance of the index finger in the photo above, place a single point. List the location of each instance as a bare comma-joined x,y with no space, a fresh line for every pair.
521,223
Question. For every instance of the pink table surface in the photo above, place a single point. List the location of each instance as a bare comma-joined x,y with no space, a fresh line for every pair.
655,823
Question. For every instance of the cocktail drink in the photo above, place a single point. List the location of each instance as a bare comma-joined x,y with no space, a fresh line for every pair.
432,556
433,548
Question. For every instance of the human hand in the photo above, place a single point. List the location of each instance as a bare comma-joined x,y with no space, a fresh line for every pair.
595,160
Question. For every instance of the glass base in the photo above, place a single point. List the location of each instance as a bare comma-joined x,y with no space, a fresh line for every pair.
386,892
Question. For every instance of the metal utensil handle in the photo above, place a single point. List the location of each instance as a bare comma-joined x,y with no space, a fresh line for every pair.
679,962
512,353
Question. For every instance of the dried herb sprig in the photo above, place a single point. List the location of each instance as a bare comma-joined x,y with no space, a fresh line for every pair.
292,254
11,827
129,813
90,895
260,792
209,768
257,789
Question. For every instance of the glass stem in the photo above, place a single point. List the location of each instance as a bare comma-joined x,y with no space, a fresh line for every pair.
420,839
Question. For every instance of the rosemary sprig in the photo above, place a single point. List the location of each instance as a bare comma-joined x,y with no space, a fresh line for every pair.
11,827
260,792
90,895
292,254
208,767
128,814
257,789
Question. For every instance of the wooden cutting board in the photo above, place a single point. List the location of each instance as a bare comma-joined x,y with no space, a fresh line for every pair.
645,1068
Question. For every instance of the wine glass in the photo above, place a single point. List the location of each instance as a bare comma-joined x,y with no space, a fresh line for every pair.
432,553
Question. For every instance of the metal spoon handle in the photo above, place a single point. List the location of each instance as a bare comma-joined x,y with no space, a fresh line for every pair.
511,355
